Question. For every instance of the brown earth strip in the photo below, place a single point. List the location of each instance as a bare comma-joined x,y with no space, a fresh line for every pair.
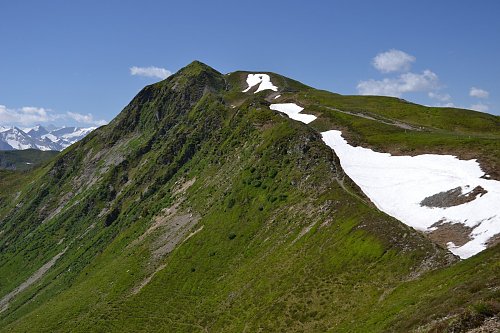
446,232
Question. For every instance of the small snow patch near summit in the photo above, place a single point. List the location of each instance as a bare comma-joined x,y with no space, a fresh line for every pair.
398,185
293,111
263,79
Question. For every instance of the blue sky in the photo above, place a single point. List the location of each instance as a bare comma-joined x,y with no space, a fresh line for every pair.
69,62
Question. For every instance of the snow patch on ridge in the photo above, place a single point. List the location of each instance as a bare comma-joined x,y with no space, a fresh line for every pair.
398,184
293,111
263,79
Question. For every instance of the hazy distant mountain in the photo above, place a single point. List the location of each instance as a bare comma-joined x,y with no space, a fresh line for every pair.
40,137
36,132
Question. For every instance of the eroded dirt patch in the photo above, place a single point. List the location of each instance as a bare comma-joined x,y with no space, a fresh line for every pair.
173,230
453,197
493,241
181,188
4,302
446,232
490,325
147,280
170,228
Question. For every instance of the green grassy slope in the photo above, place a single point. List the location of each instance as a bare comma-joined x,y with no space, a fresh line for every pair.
394,125
186,214
391,124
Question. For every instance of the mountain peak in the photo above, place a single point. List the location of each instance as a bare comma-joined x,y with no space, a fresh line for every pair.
197,77
197,69
180,91
197,66
36,131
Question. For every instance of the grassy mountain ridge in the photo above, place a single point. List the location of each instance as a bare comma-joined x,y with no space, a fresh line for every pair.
390,124
403,128
188,214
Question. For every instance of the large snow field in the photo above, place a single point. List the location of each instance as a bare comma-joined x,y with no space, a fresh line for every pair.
398,184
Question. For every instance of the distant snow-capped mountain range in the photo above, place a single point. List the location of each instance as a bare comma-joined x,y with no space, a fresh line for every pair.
39,137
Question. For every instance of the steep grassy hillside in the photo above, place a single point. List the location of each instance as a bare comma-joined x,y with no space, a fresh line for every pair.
200,209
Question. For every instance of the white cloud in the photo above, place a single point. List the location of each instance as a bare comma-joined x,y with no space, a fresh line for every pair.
480,107
407,82
439,97
25,115
86,119
393,61
30,115
446,105
150,71
479,93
